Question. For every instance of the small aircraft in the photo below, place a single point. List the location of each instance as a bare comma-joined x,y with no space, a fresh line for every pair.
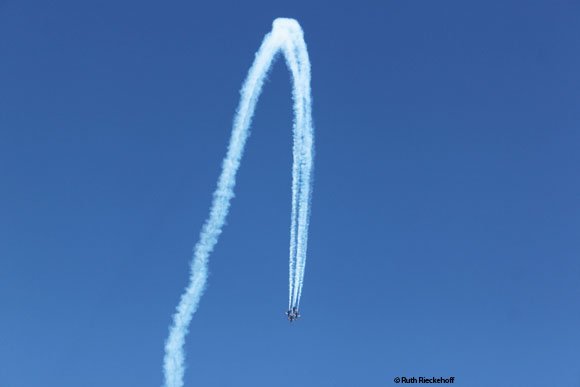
293,314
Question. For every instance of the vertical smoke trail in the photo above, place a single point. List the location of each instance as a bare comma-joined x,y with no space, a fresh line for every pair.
286,37
305,159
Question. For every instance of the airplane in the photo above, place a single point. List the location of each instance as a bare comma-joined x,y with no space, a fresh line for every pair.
293,314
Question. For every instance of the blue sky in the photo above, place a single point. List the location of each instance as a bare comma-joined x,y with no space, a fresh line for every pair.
445,222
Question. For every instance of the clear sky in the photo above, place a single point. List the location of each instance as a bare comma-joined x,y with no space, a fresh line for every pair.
445,229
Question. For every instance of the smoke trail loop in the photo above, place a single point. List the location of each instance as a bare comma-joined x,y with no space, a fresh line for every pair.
286,37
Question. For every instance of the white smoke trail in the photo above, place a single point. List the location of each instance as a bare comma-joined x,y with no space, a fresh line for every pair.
286,37
305,161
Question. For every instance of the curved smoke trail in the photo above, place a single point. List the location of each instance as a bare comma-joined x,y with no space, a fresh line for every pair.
286,37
